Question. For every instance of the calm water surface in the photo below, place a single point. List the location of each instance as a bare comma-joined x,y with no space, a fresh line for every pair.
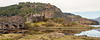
91,33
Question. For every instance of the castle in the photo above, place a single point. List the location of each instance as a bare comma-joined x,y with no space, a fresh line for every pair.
46,13
17,22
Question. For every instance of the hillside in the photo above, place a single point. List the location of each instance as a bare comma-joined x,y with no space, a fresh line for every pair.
79,19
25,9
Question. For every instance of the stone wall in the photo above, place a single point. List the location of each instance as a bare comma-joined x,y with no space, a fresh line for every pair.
11,26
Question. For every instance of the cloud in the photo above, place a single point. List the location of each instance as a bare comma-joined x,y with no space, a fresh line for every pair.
64,5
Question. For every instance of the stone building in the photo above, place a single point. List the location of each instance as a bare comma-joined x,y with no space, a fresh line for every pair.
46,13
34,17
39,17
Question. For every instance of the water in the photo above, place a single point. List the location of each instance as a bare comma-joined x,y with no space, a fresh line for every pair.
95,25
91,33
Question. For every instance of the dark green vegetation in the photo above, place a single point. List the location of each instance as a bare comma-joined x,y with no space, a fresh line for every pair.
21,9
24,9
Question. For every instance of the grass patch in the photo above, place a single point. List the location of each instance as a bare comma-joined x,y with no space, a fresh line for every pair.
10,36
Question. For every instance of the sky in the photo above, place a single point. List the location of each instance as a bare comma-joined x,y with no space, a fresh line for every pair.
89,15
79,7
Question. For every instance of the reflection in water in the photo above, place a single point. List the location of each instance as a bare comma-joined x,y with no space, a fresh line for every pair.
95,25
91,33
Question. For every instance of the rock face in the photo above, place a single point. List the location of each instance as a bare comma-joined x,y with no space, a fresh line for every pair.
79,19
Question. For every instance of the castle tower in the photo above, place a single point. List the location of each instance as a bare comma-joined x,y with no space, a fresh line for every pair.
29,18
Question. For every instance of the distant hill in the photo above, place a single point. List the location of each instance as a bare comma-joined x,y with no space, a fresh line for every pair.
68,14
97,19
79,19
89,14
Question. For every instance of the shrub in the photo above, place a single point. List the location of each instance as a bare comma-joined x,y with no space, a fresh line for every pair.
35,25
45,19
48,31
64,24
48,24
28,24
71,24
59,20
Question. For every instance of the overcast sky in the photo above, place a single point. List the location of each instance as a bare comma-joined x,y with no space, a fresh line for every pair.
72,6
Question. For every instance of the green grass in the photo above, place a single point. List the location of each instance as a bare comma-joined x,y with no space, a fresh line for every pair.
65,27
39,23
